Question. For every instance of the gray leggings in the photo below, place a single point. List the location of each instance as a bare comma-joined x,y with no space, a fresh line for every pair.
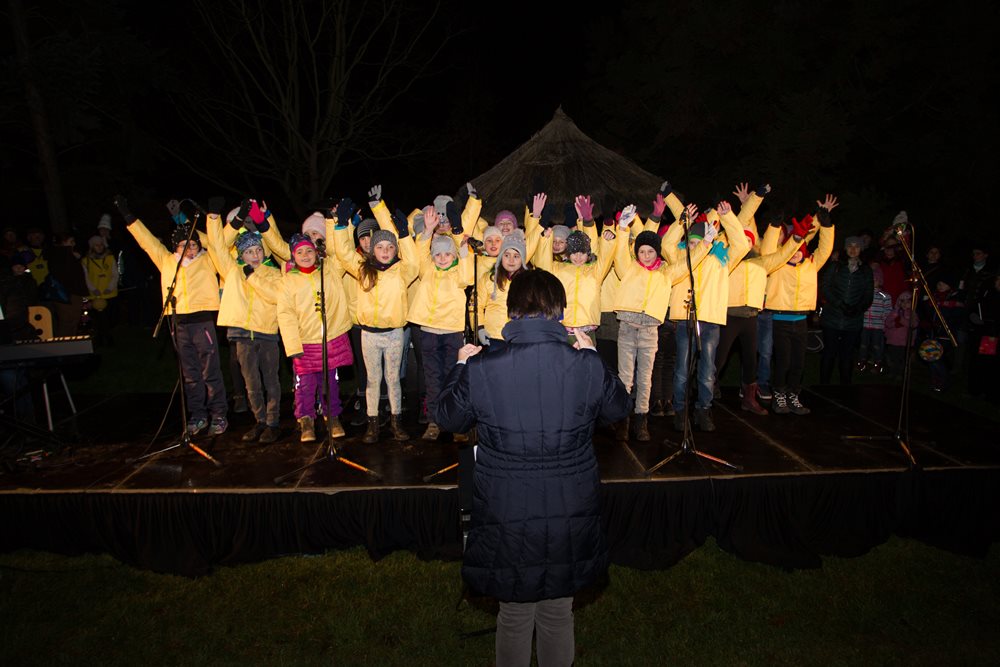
552,623
382,352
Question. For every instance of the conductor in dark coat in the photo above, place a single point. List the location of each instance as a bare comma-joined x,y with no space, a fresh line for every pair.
536,534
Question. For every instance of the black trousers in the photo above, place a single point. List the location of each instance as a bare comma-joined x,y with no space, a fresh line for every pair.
789,355
744,330
838,346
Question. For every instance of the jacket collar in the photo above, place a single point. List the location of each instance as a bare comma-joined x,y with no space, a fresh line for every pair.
534,331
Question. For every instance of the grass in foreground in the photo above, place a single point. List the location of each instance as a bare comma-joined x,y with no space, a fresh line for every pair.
903,603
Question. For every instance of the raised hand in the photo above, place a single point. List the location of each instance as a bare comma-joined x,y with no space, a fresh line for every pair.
173,207
401,223
628,215
345,210
431,220
122,205
742,192
666,188
584,207
711,231
801,228
256,212
375,195
763,189
692,211
471,189
829,203
216,204
538,204
659,205
724,207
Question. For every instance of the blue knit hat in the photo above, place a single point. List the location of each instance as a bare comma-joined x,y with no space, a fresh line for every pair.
248,240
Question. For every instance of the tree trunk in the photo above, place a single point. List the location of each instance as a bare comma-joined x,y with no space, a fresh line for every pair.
47,167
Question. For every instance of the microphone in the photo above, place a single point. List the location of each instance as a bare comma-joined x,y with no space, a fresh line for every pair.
321,246
476,245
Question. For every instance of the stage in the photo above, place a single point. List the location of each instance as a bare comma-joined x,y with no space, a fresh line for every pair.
805,490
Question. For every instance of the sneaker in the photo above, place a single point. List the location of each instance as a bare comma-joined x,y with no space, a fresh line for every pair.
780,404
764,393
196,426
218,426
270,434
795,405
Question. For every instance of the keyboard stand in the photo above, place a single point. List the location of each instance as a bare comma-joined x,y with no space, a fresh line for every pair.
48,405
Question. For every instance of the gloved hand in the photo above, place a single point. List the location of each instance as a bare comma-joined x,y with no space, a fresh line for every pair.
763,190
241,215
454,217
216,204
256,213
400,222
174,207
666,188
711,231
801,228
471,190
659,205
122,205
627,216
247,270
824,218
345,210
374,196
584,208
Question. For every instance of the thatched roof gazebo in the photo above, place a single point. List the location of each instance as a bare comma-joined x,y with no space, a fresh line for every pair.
565,162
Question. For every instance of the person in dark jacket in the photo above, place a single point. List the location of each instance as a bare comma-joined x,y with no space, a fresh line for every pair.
847,288
536,536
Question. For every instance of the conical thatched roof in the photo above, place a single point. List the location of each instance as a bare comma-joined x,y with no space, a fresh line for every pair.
565,162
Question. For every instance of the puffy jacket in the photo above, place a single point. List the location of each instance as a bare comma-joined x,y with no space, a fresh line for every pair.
748,281
711,277
582,283
492,304
439,301
794,288
536,528
247,303
197,287
298,307
846,295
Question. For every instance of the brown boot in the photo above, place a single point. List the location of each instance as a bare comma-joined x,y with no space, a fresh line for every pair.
621,430
749,402
641,427
396,426
308,430
371,433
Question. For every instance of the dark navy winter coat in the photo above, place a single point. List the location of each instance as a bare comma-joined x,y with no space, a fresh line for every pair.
536,529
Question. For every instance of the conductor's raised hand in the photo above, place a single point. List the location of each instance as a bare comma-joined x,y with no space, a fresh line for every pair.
468,350
583,341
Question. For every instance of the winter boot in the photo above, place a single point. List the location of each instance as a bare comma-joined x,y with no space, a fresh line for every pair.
431,432
795,405
396,426
621,430
308,430
705,420
371,433
657,409
780,403
749,401
641,427
254,434
335,428
270,434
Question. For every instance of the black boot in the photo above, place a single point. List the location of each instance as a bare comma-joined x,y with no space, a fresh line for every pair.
641,427
371,433
396,426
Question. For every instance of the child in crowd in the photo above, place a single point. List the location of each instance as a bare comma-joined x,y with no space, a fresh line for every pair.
100,270
871,354
196,306
899,322
383,276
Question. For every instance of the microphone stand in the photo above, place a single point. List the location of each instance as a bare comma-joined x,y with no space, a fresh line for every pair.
171,302
332,451
687,445
901,436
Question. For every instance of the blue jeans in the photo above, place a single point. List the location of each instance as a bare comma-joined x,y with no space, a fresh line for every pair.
706,365
765,346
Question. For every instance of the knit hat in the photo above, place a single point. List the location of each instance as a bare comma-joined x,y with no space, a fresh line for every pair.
751,236
380,235
491,231
505,215
315,223
248,240
443,243
854,240
441,204
366,227
560,232
652,239
576,242
104,222
515,241
299,240
697,230
180,235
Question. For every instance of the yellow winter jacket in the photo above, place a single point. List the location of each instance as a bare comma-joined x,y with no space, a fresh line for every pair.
582,283
102,275
385,305
299,306
197,283
794,288
748,281
247,303
492,304
648,291
711,276
439,301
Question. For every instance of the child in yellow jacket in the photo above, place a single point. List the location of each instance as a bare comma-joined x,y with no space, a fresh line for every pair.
383,276
438,309
196,304
100,270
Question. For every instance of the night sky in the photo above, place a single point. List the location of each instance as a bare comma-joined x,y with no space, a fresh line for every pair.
888,105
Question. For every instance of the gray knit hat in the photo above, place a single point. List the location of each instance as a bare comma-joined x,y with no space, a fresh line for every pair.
491,231
443,243
380,235
366,227
560,232
513,241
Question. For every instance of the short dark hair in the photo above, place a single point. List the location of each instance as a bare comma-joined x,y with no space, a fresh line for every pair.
536,293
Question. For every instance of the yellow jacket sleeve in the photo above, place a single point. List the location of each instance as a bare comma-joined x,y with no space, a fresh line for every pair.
622,254
224,262
344,249
825,247
542,259
775,260
769,243
668,244
675,205
739,244
470,215
749,209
